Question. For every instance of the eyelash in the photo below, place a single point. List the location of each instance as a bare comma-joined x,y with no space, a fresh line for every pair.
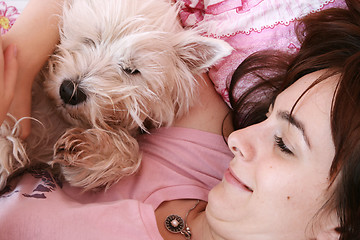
280,143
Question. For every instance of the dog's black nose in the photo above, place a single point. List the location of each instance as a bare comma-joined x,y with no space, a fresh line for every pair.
71,94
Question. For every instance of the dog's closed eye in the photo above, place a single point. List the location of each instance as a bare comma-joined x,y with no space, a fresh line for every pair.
131,71
89,42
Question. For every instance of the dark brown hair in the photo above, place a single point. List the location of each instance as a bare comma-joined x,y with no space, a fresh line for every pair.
329,40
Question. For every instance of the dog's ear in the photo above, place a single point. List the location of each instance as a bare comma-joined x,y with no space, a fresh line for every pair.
200,53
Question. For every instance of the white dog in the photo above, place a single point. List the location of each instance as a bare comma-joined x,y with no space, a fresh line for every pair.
122,66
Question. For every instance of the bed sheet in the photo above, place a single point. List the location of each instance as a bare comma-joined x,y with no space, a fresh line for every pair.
248,26
9,12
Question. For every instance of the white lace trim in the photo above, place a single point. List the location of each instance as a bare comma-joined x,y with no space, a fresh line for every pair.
266,14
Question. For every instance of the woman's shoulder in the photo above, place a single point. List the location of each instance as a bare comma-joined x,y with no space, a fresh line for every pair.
210,113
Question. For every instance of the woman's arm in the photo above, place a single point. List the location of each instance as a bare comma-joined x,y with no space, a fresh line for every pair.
8,74
35,33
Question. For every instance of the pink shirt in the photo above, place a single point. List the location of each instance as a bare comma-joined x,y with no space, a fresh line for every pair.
177,163
48,213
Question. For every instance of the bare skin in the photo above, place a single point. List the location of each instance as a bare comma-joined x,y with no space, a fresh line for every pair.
8,74
35,34
209,112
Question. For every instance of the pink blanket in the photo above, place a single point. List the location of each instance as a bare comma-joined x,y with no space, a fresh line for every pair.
249,26
9,11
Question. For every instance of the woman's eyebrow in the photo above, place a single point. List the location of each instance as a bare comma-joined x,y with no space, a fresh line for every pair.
294,122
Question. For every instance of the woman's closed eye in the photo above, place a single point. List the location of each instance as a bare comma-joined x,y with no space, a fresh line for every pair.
282,146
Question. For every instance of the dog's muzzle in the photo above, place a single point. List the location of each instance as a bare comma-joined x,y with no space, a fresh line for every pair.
71,93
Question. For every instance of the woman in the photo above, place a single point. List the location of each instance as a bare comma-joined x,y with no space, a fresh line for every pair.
323,133
293,175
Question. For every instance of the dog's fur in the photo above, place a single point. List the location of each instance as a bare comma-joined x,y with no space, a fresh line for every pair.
122,66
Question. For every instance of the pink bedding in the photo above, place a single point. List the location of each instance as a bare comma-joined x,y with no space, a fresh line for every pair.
9,12
248,26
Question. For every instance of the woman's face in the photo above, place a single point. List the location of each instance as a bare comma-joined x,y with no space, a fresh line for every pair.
279,176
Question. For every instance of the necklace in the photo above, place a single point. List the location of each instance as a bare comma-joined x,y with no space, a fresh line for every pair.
176,224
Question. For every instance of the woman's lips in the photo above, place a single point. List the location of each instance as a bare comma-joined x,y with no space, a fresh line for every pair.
234,180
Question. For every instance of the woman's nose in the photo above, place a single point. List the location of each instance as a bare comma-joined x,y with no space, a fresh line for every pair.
240,144
233,143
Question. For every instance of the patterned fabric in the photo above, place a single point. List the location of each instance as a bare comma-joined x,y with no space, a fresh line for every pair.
248,26
8,15
9,12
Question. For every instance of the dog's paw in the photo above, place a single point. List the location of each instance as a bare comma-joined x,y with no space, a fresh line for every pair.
13,156
94,158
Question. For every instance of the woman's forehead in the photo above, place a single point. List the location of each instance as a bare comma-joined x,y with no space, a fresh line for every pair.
302,91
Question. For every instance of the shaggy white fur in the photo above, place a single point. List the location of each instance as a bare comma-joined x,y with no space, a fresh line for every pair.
122,66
